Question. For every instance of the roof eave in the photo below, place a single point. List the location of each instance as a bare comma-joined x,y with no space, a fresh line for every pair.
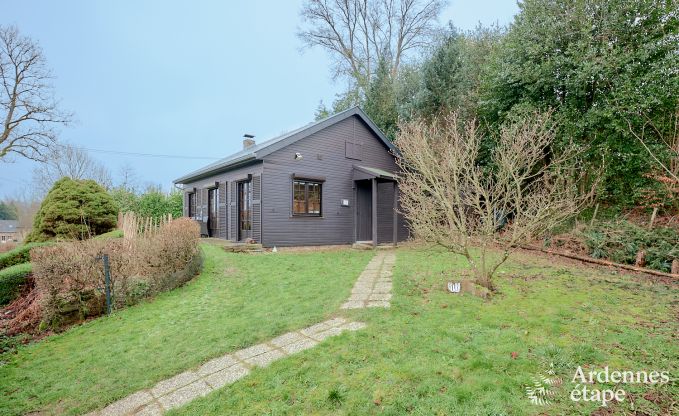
204,173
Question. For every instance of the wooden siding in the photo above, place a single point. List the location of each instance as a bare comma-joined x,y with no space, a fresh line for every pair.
222,210
228,209
323,155
256,208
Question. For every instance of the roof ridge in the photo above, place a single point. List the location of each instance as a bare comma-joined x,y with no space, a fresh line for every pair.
253,152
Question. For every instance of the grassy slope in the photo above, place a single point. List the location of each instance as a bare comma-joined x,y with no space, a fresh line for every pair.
435,353
237,301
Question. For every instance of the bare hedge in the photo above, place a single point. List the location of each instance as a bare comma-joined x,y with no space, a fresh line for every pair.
69,277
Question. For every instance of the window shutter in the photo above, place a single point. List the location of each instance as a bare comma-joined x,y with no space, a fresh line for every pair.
186,204
257,208
233,217
222,210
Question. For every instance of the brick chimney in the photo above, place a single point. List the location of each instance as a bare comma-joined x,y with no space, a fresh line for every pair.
248,141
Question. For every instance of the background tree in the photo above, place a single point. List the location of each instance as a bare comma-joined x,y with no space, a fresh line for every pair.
25,205
152,203
28,110
452,75
74,209
7,211
68,161
598,64
450,200
360,33
157,204
380,103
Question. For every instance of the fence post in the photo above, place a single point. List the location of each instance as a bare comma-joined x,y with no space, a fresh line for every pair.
107,282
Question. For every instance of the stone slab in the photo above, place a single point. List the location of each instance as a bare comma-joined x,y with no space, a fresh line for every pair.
378,304
299,346
353,305
326,334
252,351
285,339
152,409
313,329
353,326
262,360
335,322
180,380
215,365
380,296
185,394
127,404
226,376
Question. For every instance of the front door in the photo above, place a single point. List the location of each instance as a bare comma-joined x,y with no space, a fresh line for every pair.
364,211
212,212
244,210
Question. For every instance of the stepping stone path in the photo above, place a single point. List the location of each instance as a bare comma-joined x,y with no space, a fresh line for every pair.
373,287
216,373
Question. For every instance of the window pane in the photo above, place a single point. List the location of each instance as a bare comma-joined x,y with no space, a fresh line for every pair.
314,198
298,198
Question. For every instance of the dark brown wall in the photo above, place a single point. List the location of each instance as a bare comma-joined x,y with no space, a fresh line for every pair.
227,199
385,219
323,155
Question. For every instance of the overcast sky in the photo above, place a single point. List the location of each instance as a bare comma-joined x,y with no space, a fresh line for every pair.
183,78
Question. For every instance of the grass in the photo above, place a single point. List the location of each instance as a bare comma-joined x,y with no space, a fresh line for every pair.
110,234
433,353
237,301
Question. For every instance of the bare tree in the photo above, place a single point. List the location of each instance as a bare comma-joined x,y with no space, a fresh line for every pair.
65,160
450,200
28,110
358,33
128,179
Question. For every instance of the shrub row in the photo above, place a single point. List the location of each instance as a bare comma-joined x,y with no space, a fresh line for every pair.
621,241
18,255
11,280
69,277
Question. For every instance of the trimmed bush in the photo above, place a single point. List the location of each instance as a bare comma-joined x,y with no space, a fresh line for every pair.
18,255
74,210
11,280
69,277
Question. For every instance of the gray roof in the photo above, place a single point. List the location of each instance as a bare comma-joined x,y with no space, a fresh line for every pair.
258,151
9,226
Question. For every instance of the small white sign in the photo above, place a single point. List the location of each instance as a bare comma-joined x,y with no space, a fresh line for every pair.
344,202
454,287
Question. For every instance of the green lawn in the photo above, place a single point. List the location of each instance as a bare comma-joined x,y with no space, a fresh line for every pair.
433,353
237,301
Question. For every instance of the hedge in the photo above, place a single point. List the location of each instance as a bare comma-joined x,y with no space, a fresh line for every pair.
18,255
11,280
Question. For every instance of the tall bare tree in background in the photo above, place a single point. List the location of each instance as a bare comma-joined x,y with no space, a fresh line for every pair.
450,200
360,33
28,110
66,160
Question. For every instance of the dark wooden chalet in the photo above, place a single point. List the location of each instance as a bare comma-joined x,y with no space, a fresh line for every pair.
329,182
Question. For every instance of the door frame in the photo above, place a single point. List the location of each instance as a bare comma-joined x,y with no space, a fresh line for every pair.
241,235
213,212
366,186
